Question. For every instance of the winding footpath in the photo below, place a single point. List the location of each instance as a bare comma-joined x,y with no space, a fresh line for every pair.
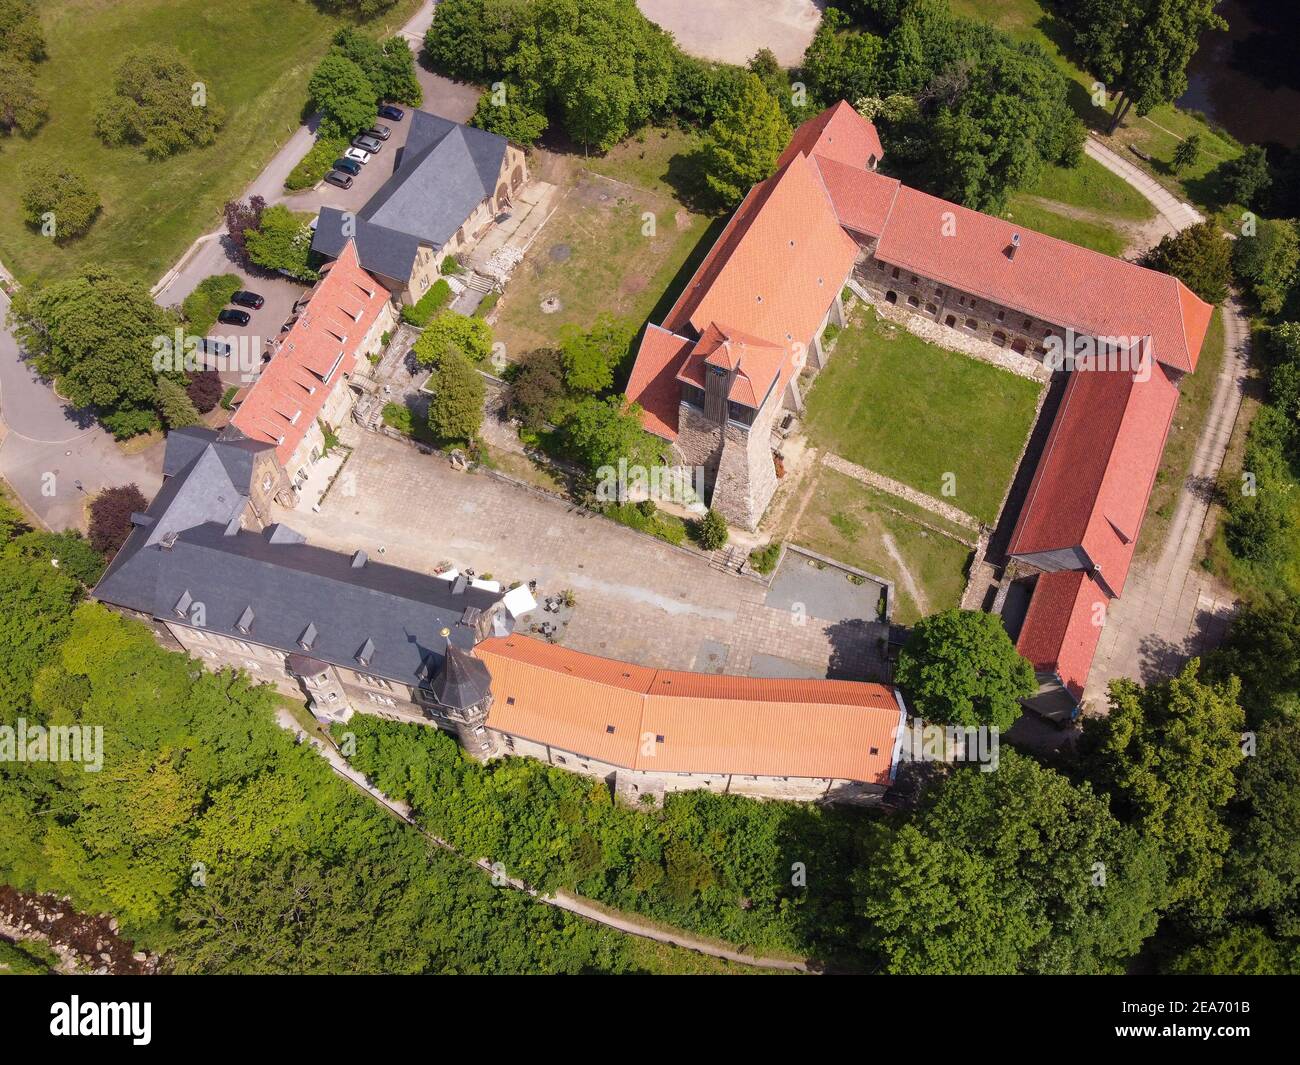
1171,609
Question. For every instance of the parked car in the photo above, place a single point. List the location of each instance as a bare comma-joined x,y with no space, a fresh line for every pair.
367,143
212,346
248,299
393,114
381,133
348,166
358,156
343,181
229,317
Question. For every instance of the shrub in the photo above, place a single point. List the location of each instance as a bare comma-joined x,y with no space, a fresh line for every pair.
763,559
711,531
1247,178
318,162
127,422
664,526
202,305
242,216
282,242
110,517
398,416
428,305
227,396
204,389
453,334
449,266
63,196
1200,257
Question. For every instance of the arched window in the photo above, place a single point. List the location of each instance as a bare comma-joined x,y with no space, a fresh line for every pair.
1000,339
971,323
930,308
891,296
950,321
912,301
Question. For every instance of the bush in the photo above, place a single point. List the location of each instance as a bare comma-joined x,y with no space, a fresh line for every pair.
318,162
538,396
63,196
449,266
711,531
282,242
227,396
428,305
1247,178
764,559
453,334
127,422
242,216
204,389
398,416
647,520
110,517
202,305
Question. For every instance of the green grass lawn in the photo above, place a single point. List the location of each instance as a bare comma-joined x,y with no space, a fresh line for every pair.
847,521
1085,232
596,254
255,57
898,405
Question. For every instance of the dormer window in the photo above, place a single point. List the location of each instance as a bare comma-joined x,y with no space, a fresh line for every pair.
245,622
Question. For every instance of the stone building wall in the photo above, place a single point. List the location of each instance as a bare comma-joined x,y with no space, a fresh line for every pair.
969,314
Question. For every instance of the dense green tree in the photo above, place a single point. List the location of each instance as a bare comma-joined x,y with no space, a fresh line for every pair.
20,31
743,144
472,39
344,96
96,333
1263,866
1248,177
711,531
59,201
590,358
155,104
451,334
1168,754
1241,950
538,395
1262,649
1200,256
1016,870
69,552
959,667
389,66
1140,48
22,105
518,119
1266,261
599,432
456,409
36,602
282,241
841,64
175,405
1188,152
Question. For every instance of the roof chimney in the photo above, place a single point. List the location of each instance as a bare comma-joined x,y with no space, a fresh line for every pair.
359,559
1015,246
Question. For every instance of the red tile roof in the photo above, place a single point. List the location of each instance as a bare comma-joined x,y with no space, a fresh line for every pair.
862,198
1092,484
653,383
616,712
1047,279
839,133
313,356
1062,627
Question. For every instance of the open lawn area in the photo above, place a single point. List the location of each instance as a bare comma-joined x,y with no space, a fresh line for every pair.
619,241
851,523
253,55
901,406
1156,134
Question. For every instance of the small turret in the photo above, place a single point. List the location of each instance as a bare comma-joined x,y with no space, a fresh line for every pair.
463,690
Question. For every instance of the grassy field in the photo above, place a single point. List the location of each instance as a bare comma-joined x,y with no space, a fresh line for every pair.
848,521
255,57
1156,134
596,254
1085,232
900,406
1196,392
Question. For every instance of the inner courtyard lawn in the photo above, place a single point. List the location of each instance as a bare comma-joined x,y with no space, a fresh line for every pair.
254,57
901,406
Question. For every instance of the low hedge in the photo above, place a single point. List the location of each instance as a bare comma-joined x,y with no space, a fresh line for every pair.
318,162
202,305
438,296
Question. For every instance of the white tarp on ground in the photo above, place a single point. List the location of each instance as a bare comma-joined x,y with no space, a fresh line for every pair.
519,601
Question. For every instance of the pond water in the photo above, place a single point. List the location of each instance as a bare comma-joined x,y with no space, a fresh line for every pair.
1248,79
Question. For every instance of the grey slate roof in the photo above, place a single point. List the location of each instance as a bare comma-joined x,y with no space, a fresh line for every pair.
289,585
446,170
463,682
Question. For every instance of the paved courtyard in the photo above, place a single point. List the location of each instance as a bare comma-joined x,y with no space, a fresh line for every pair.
637,598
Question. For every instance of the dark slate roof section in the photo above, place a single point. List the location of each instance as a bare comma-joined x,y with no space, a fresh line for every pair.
446,170
291,585
381,250
183,447
463,682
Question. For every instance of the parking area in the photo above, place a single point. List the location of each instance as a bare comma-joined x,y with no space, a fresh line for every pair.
826,589
637,598
247,342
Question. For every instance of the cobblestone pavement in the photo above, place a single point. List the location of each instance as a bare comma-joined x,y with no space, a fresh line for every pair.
637,598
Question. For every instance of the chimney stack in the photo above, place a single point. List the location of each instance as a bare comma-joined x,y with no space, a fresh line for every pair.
1015,246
